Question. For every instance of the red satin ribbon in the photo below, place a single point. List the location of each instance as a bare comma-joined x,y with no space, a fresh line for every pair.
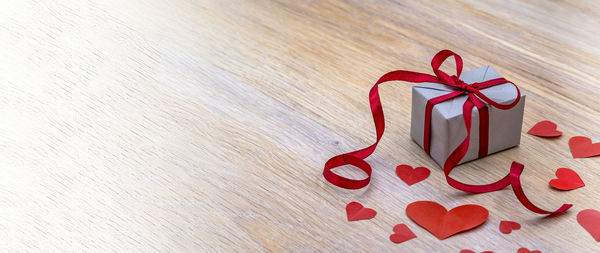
474,99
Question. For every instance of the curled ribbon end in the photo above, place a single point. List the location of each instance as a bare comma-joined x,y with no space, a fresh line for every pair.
344,182
560,210
515,180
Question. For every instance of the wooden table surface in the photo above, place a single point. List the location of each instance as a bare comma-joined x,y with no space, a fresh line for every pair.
204,125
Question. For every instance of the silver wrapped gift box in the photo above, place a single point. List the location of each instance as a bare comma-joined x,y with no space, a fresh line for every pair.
447,125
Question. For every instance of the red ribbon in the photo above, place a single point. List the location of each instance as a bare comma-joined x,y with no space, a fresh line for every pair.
474,99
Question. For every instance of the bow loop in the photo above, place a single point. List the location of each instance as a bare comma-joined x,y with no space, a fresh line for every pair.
439,59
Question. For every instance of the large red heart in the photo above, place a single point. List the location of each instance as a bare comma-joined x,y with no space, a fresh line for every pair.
356,211
508,226
412,176
589,219
582,147
544,128
442,223
525,250
401,234
567,179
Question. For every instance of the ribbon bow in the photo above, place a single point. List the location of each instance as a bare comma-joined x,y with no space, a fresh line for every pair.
475,99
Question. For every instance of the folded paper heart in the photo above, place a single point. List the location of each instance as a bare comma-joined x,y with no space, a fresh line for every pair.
582,147
567,179
544,128
401,234
356,211
508,226
589,219
525,250
442,223
412,176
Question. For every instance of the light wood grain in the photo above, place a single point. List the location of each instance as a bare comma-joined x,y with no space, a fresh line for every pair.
204,125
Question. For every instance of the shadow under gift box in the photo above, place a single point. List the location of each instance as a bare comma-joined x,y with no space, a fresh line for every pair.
447,123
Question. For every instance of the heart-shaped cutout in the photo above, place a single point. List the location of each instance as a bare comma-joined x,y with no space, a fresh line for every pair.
567,179
582,147
508,226
402,233
442,223
525,250
589,219
356,211
545,128
412,176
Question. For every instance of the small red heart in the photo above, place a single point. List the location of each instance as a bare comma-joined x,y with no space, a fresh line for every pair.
508,226
544,128
582,147
412,176
401,234
589,219
567,179
525,250
356,211
442,223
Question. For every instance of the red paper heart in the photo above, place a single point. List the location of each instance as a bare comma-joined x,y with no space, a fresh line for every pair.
582,147
567,179
401,234
544,128
508,226
356,211
412,176
525,250
442,223
589,219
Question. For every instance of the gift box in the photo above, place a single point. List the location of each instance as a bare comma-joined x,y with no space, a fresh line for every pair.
448,128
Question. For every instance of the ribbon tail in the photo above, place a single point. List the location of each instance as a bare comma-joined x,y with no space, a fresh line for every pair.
356,158
515,180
